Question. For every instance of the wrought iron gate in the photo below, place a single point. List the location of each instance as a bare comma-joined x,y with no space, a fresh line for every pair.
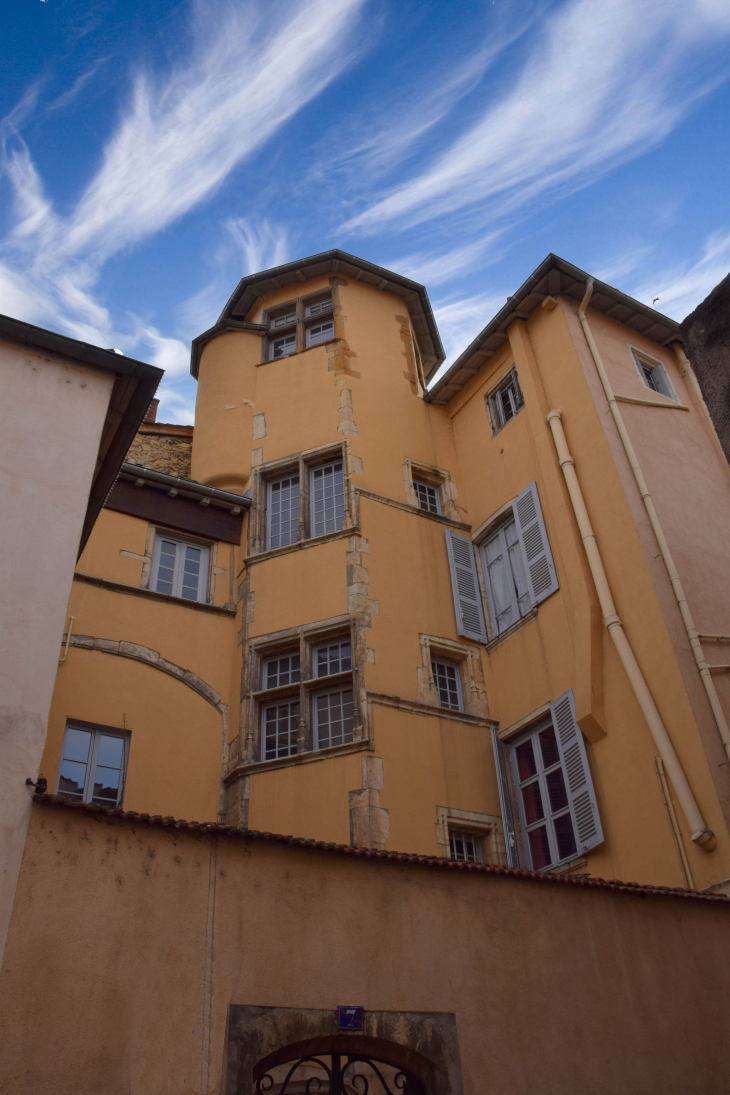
338,1074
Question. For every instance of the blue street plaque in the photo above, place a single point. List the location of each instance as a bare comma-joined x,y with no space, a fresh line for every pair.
350,1018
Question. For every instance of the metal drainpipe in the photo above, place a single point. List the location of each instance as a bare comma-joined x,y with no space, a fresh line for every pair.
701,835
703,667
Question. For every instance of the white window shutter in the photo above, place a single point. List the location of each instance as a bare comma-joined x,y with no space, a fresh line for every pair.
541,576
505,803
465,584
581,794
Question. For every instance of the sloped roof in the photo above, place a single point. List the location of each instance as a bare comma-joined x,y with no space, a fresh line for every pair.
553,277
250,288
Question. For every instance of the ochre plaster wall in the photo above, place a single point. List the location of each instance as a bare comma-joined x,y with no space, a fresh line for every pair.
555,987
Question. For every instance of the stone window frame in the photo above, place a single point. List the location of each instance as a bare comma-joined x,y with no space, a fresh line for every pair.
147,559
439,478
304,639
486,827
300,324
468,659
301,464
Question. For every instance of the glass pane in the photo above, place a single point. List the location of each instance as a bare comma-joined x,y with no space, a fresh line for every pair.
501,585
539,848
191,573
73,777
77,744
106,785
556,790
334,718
464,846
166,567
532,800
281,731
549,747
446,684
111,751
564,835
525,760
284,512
328,499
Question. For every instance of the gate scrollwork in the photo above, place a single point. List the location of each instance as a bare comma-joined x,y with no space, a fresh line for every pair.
345,1074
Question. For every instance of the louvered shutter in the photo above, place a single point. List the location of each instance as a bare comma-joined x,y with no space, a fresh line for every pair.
539,565
505,803
581,795
465,584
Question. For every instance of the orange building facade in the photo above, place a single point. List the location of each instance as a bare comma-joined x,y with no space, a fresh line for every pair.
375,615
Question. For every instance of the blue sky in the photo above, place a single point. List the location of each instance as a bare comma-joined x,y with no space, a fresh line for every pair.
152,153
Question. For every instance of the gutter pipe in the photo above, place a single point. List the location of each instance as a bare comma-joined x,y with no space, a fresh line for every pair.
701,835
692,635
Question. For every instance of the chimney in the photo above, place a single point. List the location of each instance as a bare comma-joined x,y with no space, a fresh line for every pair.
151,415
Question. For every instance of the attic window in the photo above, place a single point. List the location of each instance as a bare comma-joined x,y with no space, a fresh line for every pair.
319,307
283,321
654,375
504,401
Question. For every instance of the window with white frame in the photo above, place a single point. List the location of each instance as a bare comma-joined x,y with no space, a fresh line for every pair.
282,347
464,846
334,718
447,678
543,797
327,492
334,657
320,332
504,401
93,766
283,511
504,574
180,569
429,496
653,374
281,670
318,308
285,320
280,730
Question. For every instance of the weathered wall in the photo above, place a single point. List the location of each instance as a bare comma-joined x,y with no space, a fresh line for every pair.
121,986
171,453
706,334
52,415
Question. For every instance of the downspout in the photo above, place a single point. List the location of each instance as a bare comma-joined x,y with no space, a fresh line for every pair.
679,593
701,835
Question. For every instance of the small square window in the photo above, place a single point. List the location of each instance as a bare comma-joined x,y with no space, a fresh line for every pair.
322,332
429,496
333,658
284,669
333,718
283,347
280,730
282,321
319,308
653,375
465,846
327,498
504,401
179,569
447,678
93,765
283,511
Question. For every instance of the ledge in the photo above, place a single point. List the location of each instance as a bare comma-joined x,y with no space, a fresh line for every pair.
418,708
359,746
437,517
153,595
669,405
313,541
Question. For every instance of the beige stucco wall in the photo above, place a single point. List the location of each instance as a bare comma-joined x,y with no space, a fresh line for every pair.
51,418
129,942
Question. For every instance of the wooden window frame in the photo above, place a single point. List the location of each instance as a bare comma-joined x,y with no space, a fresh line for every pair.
495,413
299,324
457,666
207,563
643,360
96,731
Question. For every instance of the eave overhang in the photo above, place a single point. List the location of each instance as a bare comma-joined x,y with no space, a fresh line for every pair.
135,383
250,288
176,486
553,277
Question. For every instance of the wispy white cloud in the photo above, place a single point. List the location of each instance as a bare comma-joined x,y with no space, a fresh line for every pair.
71,93
460,321
436,269
604,82
261,243
680,289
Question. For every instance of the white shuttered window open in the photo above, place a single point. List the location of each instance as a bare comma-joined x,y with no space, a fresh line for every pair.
465,585
539,566
581,794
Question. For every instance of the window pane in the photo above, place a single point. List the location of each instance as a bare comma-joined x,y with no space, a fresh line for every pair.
281,671
501,585
191,573
556,790
111,751
284,511
281,730
166,567
328,499
106,785
334,658
506,403
320,307
334,718
517,569
283,321
465,846
77,744
525,760
649,377
446,679
564,835
549,747
532,800
321,333
539,848
282,347
73,778
427,496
